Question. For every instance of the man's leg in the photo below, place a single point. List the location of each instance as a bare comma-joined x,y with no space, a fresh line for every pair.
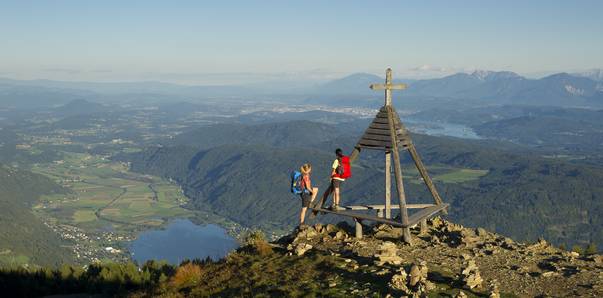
302,215
323,200
336,196
314,194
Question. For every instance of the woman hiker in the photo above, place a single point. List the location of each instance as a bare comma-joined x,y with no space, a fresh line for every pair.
308,193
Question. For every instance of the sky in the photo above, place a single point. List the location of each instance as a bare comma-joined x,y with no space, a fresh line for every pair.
226,42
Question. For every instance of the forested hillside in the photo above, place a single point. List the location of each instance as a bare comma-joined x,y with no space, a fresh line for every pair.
519,194
24,239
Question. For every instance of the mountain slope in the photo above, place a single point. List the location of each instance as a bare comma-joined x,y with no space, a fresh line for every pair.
520,194
24,238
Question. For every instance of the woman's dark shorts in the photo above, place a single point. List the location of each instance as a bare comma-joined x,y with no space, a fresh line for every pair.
306,198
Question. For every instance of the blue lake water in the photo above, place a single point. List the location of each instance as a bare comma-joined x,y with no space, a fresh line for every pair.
442,129
181,240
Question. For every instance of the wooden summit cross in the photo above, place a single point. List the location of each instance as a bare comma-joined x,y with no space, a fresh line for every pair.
387,133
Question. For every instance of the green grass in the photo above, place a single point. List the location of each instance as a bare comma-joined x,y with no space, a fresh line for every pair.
123,197
460,176
83,216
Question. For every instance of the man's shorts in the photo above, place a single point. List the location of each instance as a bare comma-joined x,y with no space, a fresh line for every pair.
336,183
306,198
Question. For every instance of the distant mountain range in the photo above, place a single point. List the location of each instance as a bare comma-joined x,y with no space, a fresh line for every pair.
479,88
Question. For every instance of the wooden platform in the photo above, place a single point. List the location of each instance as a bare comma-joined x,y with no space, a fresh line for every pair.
413,219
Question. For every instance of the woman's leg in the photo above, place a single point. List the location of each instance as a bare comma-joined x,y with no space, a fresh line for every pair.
302,215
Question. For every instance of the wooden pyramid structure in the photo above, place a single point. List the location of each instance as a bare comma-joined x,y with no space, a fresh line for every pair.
387,133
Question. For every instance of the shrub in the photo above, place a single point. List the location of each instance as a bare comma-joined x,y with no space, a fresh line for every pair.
578,249
591,249
255,242
187,275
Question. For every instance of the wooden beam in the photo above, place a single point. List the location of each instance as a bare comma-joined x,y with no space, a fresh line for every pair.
397,86
361,216
398,173
416,217
388,184
358,225
424,175
354,155
377,206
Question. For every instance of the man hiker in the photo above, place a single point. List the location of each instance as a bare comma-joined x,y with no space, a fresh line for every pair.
337,177
340,170
308,193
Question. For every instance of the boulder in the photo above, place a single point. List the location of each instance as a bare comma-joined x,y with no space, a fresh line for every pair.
301,248
388,253
398,281
470,275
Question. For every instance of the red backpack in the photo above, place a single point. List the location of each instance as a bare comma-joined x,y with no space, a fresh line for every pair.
344,170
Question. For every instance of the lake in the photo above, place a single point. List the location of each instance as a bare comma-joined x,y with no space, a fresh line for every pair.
181,240
441,129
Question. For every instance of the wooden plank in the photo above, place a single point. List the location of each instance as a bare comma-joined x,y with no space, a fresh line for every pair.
361,216
382,126
376,137
373,147
398,174
413,220
374,143
377,206
383,132
425,213
397,86
401,138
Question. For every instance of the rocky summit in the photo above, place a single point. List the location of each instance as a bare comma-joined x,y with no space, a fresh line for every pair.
453,260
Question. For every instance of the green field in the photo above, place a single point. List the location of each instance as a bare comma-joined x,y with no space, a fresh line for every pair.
106,193
460,175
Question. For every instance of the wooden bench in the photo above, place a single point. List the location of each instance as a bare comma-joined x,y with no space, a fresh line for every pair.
413,219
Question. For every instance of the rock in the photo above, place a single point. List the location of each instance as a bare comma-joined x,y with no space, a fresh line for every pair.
574,254
598,259
302,248
330,228
549,274
319,228
435,222
418,273
387,231
398,281
494,292
461,294
388,253
332,284
340,235
469,238
508,243
481,232
470,275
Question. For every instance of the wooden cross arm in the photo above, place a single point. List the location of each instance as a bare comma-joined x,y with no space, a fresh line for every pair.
388,86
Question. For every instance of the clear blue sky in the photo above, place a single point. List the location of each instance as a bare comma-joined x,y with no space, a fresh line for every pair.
202,41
